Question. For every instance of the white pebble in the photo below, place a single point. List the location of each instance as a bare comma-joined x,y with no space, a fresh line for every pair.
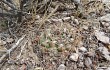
61,67
76,21
83,49
101,37
85,27
77,1
74,57
61,45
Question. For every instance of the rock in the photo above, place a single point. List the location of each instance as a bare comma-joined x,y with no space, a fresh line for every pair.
65,29
39,68
76,21
108,68
9,40
83,49
2,42
91,54
77,1
66,18
56,20
37,17
105,52
101,37
105,18
61,67
88,62
74,57
81,64
105,1
8,69
105,24
109,28
100,69
61,45
85,27
71,39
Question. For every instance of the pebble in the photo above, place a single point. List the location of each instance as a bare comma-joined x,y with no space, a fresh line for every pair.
100,69
105,18
88,62
77,1
108,68
109,28
105,52
2,42
61,67
91,54
85,27
105,23
105,1
66,18
9,40
74,57
83,49
101,37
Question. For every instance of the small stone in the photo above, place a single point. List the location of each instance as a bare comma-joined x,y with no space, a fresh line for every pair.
105,18
65,29
9,40
8,69
88,62
105,1
72,17
74,57
71,39
56,20
107,24
54,42
2,42
100,69
83,49
77,1
91,54
85,27
37,17
105,52
81,64
61,45
108,68
101,37
76,21
80,44
66,18
109,28
61,67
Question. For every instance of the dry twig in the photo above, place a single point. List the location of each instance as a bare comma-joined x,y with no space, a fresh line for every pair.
46,17
13,47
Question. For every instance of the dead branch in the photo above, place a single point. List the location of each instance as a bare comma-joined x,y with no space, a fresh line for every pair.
13,47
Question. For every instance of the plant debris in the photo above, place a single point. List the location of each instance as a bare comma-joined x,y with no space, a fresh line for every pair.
54,35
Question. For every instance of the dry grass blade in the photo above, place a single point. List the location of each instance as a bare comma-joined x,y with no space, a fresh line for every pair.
45,18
